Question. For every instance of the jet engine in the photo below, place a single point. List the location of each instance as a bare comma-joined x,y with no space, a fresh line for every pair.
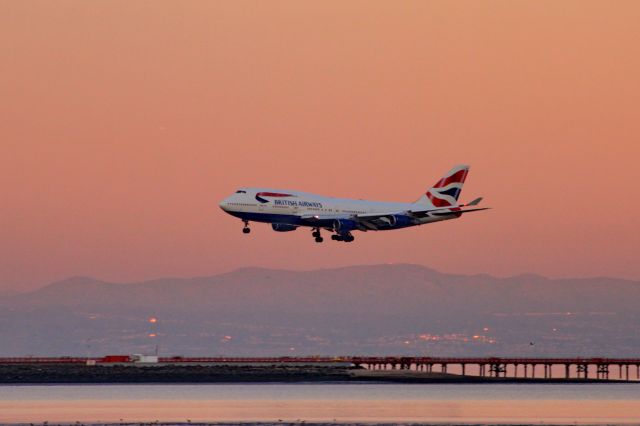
399,220
343,226
283,227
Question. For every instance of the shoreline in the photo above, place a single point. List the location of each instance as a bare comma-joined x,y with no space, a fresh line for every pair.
283,422
301,422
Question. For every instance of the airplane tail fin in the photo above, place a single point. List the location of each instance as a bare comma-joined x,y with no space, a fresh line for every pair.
446,191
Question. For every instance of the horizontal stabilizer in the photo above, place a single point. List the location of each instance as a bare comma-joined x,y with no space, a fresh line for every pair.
474,202
459,211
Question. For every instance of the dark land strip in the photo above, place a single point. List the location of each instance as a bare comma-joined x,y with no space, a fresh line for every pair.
61,374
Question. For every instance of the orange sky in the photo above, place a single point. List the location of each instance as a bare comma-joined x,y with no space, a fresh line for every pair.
123,123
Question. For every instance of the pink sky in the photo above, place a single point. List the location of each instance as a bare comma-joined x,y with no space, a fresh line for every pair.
124,123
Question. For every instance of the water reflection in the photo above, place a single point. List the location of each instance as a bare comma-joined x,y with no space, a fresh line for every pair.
586,404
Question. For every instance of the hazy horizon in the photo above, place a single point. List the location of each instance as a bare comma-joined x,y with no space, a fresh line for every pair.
319,269
124,124
382,309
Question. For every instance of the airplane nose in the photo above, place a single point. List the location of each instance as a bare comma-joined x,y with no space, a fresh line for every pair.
224,204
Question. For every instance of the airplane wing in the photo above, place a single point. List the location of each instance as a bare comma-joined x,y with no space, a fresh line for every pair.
322,217
375,221
418,213
327,221
443,211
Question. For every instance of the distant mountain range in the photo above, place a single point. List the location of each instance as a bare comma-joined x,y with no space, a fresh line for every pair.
381,309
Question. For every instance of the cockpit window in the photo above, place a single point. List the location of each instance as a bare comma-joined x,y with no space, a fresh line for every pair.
240,191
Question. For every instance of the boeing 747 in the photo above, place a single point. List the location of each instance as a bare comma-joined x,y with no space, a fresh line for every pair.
288,210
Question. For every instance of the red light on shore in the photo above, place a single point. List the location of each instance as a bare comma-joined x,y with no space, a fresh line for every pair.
153,320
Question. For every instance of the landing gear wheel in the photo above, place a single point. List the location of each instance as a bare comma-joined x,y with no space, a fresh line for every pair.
319,239
246,230
336,238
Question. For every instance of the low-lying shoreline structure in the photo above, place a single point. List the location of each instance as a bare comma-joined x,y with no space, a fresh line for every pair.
154,369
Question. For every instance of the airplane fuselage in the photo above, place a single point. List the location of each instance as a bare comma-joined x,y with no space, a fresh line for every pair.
245,204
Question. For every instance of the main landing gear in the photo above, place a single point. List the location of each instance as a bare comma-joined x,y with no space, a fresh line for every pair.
347,238
246,228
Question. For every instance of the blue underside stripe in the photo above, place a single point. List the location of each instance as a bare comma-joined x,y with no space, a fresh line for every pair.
268,217
289,219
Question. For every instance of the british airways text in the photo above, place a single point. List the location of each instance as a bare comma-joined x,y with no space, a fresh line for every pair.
297,203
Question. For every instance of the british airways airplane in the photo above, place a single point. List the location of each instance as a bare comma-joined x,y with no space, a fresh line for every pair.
288,210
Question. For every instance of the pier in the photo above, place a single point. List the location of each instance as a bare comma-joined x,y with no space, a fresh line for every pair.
543,368
627,369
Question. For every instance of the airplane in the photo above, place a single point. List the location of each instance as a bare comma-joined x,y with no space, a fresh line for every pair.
288,210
